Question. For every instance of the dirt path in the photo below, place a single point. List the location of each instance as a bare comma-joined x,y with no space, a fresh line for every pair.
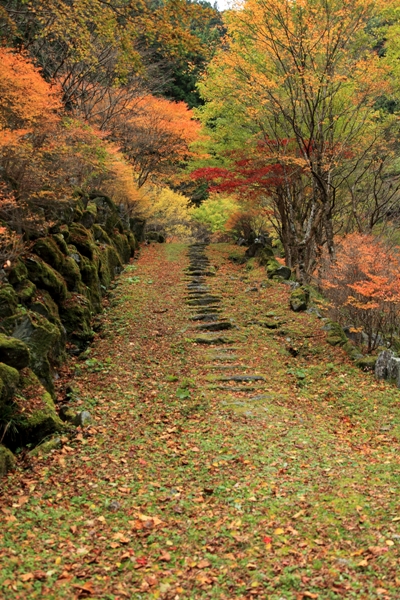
262,465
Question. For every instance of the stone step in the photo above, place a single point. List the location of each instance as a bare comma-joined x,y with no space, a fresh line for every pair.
217,326
201,273
226,367
207,300
219,339
228,388
241,378
206,317
207,309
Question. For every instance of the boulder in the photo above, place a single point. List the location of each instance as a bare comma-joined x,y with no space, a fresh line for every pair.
76,316
8,300
299,299
48,250
336,335
7,460
83,240
137,228
18,273
89,215
45,277
47,447
44,341
9,379
393,370
382,364
13,352
25,291
37,417
366,363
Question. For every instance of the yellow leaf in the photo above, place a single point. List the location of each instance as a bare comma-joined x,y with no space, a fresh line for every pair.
58,560
279,531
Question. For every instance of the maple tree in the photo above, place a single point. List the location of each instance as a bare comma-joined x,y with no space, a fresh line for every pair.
156,136
293,94
363,286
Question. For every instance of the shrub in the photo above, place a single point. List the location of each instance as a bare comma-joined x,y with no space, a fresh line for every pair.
363,286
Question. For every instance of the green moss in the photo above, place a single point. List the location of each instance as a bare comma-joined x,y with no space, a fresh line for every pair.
264,256
336,335
7,460
18,273
89,215
83,240
45,343
121,243
45,305
137,228
47,248
8,300
34,425
45,277
76,317
9,378
25,291
100,235
90,278
47,447
110,265
299,299
71,273
13,352
132,243
78,210
366,363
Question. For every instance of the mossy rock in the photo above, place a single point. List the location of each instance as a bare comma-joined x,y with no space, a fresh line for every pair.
76,317
9,379
44,305
46,447
71,273
62,238
121,243
45,342
336,335
79,209
25,291
351,350
89,215
18,273
110,266
83,240
299,299
48,249
264,256
7,460
107,214
100,235
132,243
13,352
91,280
367,363
137,227
8,300
45,277
37,416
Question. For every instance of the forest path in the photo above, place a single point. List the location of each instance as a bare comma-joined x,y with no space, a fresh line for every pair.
259,466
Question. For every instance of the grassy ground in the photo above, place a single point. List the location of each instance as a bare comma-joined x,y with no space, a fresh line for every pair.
183,490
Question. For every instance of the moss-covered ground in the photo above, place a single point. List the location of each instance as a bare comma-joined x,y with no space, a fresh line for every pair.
180,489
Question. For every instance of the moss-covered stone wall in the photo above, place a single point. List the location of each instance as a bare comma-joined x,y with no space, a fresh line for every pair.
48,298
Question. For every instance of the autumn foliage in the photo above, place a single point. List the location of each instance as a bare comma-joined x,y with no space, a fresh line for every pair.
363,286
